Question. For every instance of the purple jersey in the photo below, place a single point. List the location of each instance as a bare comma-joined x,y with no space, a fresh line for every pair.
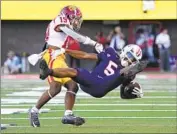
108,63
104,78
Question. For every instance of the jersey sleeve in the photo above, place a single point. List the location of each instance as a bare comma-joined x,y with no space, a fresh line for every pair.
110,50
101,56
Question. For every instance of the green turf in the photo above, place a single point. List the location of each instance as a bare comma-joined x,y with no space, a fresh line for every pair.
101,125
122,125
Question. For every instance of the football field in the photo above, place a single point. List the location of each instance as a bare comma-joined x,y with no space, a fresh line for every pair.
155,113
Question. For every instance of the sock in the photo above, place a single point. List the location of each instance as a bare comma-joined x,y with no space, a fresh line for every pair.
34,109
68,112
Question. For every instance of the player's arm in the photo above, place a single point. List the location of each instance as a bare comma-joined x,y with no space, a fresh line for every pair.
81,55
81,38
62,25
124,92
130,91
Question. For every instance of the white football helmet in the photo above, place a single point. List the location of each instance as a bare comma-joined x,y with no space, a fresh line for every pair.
130,54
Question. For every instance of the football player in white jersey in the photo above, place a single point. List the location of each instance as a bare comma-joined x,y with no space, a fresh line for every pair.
70,17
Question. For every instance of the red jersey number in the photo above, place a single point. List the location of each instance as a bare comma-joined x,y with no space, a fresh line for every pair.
63,20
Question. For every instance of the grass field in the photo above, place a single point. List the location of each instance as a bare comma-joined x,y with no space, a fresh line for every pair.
155,113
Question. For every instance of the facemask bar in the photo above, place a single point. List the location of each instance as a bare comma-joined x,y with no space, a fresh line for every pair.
77,26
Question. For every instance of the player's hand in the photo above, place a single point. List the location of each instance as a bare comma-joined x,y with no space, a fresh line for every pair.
57,53
138,92
99,47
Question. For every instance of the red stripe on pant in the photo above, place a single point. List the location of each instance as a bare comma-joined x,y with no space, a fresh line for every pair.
50,64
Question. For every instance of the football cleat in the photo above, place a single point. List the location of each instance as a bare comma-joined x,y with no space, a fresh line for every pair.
73,120
44,70
34,119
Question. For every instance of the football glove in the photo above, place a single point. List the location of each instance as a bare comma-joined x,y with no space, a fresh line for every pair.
138,92
98,47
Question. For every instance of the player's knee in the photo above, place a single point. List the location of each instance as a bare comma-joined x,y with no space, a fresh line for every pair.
74,89
55,88
72,86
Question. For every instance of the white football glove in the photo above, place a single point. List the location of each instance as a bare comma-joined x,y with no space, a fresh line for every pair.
99,47
57,53
138,92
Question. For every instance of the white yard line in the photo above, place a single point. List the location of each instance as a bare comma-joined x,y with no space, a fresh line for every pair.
106,97
23,110
104,117
85,125
146,90
105,110
19,110
154,101
58,100
102,104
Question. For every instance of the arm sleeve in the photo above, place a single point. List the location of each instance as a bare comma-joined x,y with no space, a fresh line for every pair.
100,56
77,36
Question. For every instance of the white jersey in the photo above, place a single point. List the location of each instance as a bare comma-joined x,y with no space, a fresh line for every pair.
54,38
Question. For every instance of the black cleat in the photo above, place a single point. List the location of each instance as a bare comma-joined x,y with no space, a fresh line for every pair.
34,119
44,70
73,120
136,68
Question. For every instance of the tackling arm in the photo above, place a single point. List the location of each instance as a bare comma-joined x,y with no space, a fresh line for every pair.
81,38
81,54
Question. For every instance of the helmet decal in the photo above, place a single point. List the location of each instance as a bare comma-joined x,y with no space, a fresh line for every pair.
138,52
71,8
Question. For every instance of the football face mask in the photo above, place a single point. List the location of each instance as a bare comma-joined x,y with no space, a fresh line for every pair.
128,59
130,54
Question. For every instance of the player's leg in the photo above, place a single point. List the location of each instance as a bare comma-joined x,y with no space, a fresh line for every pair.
55,88
72,89
57,72
81,76
69,117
